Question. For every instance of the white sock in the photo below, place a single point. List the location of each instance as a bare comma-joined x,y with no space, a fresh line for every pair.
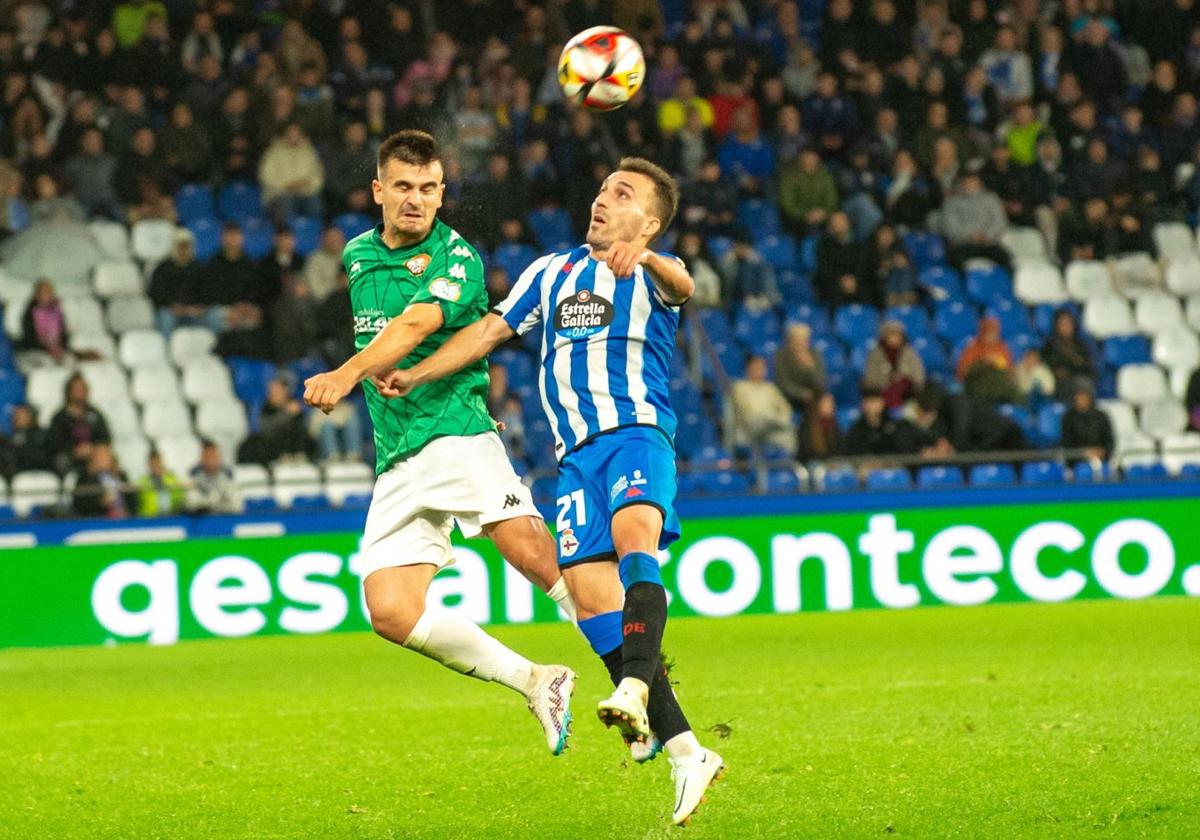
561,596
683,746
462,646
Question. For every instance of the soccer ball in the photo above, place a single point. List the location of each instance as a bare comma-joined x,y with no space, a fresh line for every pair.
601,68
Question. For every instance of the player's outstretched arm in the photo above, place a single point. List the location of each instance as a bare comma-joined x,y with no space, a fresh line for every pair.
670,277
469,344
387,348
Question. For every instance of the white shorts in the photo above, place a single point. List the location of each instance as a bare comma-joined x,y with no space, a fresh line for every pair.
416,503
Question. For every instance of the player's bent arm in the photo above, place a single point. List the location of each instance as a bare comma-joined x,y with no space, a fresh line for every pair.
469,344
670,277
395,341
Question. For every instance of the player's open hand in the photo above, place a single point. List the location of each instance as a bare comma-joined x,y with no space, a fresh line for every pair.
393,384
624,257
326,390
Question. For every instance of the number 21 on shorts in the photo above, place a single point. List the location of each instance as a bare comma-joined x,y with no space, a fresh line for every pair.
568,543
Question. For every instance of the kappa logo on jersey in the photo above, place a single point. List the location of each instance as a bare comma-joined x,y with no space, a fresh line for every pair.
417,265
461,251
445,289
356,267
567,544
582,314
458,271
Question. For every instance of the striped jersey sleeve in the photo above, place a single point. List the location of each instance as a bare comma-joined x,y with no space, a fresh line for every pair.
522,309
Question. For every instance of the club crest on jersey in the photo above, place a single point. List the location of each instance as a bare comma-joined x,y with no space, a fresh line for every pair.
445,289
417,265
567,544
582,314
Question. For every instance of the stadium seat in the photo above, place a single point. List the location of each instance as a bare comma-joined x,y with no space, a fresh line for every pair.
1147,471
130,312
1190,472
939,478
1183,276
1021,416
1107,315
1043,472
813,315
1122,350
783,482
44,390
925,249
12,387
153,239
914,318
346,480
1024,242
1135,447
1087,279
352,224
932,355
855,324
191,343
1013,318
165,418
724,483
307,232
180,451
106,381
753,326
955,320
795,286
1136,275
1173,240
1039,283
986,285
239,201
1157,311
208,238
224,422
1193,312
254,483
1043,315
550,225
97,342
155,382
1178,379
1090,471
122,417
132,453
33,490
759,217
1163,418
206,378
138,348
719,246
1141,384
1120,415
1177,347
888,479
112,278
993,475
258,237
514,258
941,282
779,251
194,201
294,480
111,237
1049,424
1181,451
82,313
839,480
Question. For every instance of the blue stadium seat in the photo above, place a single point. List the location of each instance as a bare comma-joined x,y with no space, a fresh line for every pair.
550,225
308,234
250,378
845,387
1043,315
688,485
752,326
840,480
259,237
689,433
914,318
310,503
808,253
858,357
1190,472
932,354
1049,424
514,257
758,216
1020,342
955,320
1084,472
731,356
783,481
1021,416
942,282
987,285
519,366
1043,472
1126,350
357,501
712,455
1146,472
719,246
12,387
716,323
352,224
925,249
993,475
939,478
239,201
725,483
779,251
847,416
264,504
194,201
856,323
888,479
1013,318
795,286
208,237
804,313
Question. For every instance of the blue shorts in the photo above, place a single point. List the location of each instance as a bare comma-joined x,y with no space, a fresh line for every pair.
634,465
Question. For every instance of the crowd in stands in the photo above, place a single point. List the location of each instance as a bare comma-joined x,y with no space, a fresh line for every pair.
860,179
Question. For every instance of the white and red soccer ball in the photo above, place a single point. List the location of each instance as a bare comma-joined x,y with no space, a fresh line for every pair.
601,68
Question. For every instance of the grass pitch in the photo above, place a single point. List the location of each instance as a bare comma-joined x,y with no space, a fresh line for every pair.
1073,720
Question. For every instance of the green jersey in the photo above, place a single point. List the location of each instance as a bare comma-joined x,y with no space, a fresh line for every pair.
442,269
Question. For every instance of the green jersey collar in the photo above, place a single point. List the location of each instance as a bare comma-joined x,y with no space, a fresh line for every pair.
438,224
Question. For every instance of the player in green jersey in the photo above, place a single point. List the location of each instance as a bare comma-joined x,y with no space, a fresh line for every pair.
414,282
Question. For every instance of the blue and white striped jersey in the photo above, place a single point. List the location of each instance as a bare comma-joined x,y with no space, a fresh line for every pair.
606,345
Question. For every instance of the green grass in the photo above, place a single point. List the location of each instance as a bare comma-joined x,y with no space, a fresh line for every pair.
1075,720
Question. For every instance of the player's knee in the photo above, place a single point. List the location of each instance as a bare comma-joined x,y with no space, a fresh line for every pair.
394,619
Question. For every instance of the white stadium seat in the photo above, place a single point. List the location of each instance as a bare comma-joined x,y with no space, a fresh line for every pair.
350,479
165,418
1088,279
153,240
1024,242
82,314
190,343
114,277
130,312
225,422
180,452
14,312
155,382
1183,276
1039,283
35,488
292,480
1156,312
1136,274
1120,414
1136,447
100,343
1180,450
1193,312
13,289
132,451
253,480
122,417
1177,347
1106,316
1174,240
44,389
139,348
106,381
207,378
112,238
1141,384
1179,378
1163,418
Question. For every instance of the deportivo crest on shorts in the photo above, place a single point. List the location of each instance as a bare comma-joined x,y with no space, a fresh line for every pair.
417,265
567,544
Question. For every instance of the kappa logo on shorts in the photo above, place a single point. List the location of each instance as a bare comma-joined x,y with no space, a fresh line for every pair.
417,265
628,488
567,544
511,501
633,492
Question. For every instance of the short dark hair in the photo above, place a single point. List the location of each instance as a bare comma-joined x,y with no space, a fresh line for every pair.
666,191
411,146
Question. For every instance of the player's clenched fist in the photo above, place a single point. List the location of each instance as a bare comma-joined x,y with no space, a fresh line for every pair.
624,257
393,384
326,390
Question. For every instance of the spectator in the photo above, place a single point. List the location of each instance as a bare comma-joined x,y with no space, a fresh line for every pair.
501,194
91,174
894,271
26,448
1066,354
877,432
187,146
986,366
951,423
844,271
807,193
745,157
761,414
750,279
175,287
296,320
323,265
143,178
281,433
709,203
77,428
893,368
693,250
1035,382
973,221
44,337
159,491
338,434
349,168
828,115
213,489
335,323
1086,427
238,296
1008,69
102,489
800,369
292,175
819,436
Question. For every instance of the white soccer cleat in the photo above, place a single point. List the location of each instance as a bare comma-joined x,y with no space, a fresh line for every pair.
643,751
626,710
693,776
550,702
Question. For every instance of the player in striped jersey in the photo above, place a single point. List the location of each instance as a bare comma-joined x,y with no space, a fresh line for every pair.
606,313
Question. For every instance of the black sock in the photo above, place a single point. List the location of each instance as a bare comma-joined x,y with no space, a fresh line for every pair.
642,623
666,718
